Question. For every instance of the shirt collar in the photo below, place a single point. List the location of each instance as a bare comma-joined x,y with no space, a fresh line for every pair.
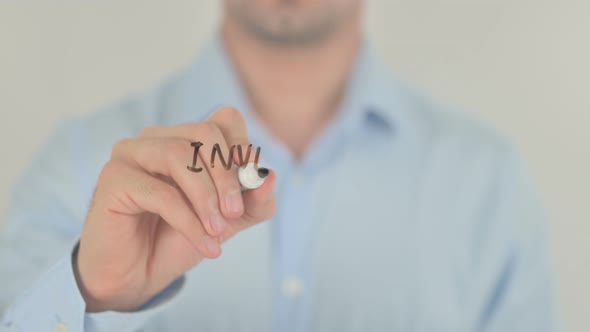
370,98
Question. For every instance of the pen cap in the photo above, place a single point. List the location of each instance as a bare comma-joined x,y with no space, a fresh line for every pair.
251,176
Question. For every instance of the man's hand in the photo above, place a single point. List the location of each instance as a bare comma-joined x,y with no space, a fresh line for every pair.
151,219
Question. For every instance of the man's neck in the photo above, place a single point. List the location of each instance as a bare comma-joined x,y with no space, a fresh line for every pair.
294,90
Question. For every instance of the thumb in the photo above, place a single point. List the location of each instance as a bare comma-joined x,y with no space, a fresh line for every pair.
260,203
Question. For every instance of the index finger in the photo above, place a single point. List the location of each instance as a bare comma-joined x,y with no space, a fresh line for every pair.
228,120
233,127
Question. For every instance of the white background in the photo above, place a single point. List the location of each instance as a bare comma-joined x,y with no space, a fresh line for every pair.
521,64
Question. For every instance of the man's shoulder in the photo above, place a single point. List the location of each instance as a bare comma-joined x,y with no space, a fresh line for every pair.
127,116
476,165
90,137
459,149
452,130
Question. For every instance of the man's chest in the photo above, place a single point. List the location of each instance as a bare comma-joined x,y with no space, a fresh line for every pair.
347,253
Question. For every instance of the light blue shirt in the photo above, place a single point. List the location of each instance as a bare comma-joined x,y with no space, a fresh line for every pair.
403,216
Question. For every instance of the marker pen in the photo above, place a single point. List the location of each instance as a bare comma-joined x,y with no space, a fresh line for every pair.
251,176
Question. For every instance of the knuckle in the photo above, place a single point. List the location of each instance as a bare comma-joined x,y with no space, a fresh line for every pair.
110,170
178,150
208,130
161,191
149,131
120,147
145,188
229,114
166,193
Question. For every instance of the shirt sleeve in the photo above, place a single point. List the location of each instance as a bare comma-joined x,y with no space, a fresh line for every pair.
512,286
38,289
54,303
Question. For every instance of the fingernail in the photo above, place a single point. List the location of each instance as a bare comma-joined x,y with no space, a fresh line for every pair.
212,245
233,201
217,222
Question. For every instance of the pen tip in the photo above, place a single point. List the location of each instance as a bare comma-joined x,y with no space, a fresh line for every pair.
263,172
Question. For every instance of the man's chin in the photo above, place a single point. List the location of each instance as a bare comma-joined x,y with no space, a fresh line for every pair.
290,27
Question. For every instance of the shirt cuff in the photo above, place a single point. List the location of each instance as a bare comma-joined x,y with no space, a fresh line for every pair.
54,303
132,321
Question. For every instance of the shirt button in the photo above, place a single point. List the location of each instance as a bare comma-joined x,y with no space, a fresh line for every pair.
61,327
292,287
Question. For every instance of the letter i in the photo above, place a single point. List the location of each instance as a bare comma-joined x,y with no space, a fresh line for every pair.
193,168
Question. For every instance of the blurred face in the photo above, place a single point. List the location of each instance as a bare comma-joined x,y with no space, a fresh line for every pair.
292,22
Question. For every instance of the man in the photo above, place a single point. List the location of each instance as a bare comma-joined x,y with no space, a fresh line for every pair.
386,212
